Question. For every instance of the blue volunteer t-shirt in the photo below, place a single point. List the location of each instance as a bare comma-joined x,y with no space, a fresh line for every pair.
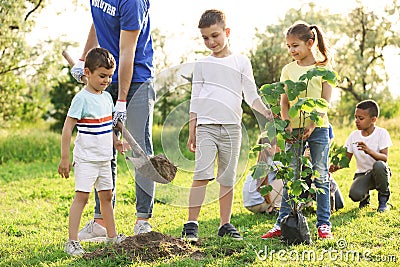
112,16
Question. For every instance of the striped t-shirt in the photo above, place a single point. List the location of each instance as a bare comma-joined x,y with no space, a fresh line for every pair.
94,141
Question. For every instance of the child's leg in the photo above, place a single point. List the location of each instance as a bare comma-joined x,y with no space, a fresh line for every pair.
381,175
75,213
360,187
319,149
106,207
196,198
225,203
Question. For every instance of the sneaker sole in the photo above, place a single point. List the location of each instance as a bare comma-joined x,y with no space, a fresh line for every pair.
190,239
98,239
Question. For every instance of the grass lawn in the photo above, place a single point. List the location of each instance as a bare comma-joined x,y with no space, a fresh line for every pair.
35,203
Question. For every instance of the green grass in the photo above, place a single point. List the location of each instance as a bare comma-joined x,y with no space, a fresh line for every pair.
35,202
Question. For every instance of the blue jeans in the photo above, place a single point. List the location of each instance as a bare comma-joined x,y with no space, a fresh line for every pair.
141,98
319,149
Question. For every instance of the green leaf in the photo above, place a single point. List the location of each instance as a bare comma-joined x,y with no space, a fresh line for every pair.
322,103
308,105
293,111
296,188
276,109
259,170
265,189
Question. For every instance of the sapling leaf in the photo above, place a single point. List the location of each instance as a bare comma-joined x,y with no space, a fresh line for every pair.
297,188
259,170
276,109
280,125
280,141
260,147
308,105
293,111
316,118
265,189
303,174
319,191
322,104
344,162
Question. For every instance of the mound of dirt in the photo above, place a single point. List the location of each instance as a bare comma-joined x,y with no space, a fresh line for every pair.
147,247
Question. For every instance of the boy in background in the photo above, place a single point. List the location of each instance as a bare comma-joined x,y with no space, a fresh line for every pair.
252,198
370,146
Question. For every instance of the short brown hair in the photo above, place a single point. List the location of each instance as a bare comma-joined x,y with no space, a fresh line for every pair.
211,17
99,57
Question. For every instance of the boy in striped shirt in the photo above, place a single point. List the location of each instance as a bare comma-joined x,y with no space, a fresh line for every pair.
91,111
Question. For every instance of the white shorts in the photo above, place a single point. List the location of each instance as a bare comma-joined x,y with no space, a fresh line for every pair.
92,173
222,140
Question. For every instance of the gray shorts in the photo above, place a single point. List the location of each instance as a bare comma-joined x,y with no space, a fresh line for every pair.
221,142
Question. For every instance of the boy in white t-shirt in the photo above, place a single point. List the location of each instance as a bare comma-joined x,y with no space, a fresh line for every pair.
220,81
91,111
370,146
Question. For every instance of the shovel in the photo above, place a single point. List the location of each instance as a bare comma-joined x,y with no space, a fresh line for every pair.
158,168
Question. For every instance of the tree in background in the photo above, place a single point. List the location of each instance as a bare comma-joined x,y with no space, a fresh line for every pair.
27,73
360,58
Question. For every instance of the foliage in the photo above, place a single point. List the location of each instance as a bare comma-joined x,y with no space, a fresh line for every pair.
27,71
304,108
338,155
60,97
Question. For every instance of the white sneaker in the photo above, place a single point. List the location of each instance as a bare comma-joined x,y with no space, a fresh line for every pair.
115,240
93,232
142,227
73,248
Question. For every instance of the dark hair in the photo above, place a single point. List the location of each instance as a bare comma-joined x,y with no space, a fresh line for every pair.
371,106
265,153
211,17
305,32
99,57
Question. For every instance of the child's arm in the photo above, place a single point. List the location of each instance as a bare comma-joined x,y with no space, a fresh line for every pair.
381,155
192,132
65,166
120,145
259,106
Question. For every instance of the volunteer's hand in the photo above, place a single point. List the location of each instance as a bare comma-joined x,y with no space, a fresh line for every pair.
77,71
120,112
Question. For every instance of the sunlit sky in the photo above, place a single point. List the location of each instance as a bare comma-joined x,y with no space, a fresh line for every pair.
177,19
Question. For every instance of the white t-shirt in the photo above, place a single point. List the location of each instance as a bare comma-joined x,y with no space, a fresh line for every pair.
251,196
94,141
378,140
218,87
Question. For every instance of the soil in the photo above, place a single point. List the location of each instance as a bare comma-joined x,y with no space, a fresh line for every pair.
164,167
148,247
